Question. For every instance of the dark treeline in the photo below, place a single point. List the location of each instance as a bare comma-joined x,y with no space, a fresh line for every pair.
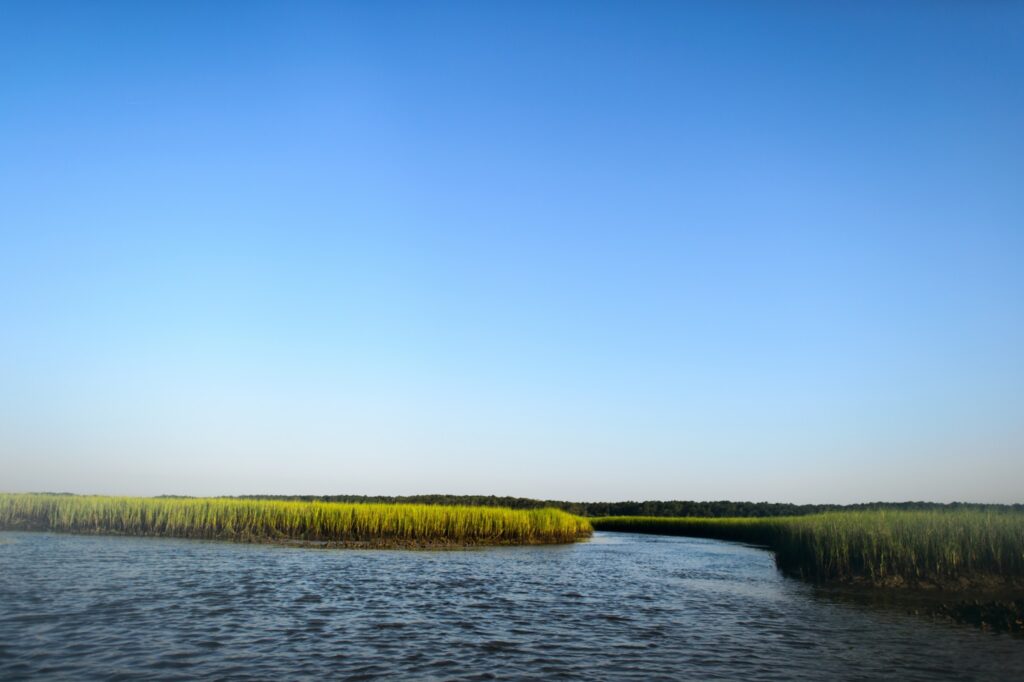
722,508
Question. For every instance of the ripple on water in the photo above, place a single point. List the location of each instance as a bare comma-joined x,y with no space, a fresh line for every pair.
622,607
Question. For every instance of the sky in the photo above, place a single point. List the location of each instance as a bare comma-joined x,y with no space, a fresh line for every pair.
585,251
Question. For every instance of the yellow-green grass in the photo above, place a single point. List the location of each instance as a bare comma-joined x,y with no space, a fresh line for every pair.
402,525
950,549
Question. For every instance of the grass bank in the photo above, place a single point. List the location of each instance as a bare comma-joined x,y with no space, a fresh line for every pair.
947,549
377,525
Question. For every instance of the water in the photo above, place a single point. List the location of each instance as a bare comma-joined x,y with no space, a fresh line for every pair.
619,607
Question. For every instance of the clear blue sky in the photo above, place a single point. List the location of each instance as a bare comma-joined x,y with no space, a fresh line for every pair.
611,250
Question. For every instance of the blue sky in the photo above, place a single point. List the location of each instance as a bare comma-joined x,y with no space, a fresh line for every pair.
742,250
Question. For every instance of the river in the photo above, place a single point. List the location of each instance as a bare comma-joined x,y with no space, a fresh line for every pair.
620,606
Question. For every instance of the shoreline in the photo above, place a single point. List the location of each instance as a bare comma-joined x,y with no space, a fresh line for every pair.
383,544
947,552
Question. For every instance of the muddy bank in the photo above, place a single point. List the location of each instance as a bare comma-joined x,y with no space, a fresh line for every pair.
399,544
999,611
341,544
1000,616
984,584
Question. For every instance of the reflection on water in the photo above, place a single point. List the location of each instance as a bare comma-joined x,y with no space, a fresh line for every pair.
618,607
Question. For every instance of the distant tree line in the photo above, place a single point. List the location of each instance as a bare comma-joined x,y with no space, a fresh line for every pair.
721,508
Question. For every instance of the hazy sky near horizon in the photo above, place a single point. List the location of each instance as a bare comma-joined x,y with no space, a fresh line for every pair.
611,250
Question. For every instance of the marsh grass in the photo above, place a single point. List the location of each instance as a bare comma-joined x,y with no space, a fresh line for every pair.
276,521
951,549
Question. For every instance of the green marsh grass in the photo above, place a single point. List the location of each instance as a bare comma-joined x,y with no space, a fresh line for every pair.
269,521
952,549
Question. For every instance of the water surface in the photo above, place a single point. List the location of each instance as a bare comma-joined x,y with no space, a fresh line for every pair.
621,606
